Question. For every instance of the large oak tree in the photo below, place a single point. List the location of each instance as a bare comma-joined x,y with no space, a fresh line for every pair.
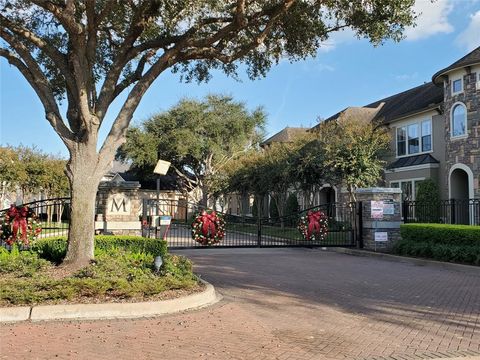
89,52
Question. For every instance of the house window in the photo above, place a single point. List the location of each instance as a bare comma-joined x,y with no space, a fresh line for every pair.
459,120
457,86
414,138
401,141
426,135
409,188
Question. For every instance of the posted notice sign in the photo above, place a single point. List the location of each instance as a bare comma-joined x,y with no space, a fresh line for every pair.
376,207
381,236
388,207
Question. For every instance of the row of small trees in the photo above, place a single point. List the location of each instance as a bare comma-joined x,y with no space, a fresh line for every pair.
213,145
28,172
346,152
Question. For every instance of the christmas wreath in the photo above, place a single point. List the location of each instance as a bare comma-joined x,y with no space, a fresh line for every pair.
208,228
19,225
313,225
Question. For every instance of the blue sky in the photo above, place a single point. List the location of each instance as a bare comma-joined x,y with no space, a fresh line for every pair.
345,72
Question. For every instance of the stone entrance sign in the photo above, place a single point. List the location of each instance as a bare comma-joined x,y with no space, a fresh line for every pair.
118,208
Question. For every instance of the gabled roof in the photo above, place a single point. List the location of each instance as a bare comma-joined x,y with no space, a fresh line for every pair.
421,98
413,161
471,58
284,136
412,101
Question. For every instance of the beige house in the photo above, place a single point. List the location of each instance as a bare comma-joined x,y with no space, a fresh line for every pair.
435,131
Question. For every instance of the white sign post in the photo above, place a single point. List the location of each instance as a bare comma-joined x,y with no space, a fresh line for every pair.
381,236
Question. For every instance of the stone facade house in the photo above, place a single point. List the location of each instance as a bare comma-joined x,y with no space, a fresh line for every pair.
435,130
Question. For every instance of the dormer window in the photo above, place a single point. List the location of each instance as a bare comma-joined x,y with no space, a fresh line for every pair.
457,86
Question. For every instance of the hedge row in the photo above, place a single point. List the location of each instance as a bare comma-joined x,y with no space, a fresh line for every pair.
455,243
55,248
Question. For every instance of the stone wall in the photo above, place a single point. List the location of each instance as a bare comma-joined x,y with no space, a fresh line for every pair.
380,233
464,150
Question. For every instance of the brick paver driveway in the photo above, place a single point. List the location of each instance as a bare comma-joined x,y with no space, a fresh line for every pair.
285,304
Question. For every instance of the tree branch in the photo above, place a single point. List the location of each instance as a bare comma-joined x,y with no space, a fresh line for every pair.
136,76
124,55
64,14
55,55
51,113
116,136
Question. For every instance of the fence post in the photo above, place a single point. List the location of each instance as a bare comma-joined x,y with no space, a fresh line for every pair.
359,229
405,211
259,231
453,219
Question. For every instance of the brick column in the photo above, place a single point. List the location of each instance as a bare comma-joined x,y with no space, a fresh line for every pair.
118,208
381,224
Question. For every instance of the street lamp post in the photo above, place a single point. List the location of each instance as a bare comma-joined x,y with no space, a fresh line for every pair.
160,169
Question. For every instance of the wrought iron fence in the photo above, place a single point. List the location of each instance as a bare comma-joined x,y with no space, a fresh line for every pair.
52,214
241,231
466,212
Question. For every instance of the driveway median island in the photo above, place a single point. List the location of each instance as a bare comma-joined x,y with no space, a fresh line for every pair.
130,277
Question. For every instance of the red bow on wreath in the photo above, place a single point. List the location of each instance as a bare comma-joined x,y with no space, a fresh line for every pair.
19,220
208,223
313,223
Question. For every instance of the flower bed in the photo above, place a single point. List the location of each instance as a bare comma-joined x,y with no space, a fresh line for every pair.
123,270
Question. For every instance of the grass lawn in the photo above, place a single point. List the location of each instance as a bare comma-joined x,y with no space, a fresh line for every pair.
115,275
289,233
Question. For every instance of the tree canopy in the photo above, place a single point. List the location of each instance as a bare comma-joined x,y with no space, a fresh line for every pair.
199,138
353,149
32,172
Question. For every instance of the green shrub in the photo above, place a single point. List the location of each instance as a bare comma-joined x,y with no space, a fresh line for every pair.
115,273
456,243
427,202
274,210
292,207
441,233
20,263
255,208
54,249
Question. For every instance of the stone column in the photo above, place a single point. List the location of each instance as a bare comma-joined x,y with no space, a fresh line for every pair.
381,217
118,208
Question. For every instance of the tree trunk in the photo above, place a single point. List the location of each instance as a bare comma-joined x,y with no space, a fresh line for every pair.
204,201
84,183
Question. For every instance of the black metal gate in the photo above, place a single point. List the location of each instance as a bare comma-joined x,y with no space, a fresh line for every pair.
344,227
248,231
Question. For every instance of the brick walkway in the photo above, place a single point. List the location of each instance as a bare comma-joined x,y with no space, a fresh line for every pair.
285,304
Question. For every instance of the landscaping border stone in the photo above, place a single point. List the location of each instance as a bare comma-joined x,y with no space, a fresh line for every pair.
110,310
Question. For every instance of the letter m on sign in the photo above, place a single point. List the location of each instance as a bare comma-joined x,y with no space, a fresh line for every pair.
118,206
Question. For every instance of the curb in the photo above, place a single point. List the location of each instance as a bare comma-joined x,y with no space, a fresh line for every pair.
469,269
110,310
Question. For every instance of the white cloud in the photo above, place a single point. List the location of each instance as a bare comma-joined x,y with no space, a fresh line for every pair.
470,37
432,19
324,67
406,77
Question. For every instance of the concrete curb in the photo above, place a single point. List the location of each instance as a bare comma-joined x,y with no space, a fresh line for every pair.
111,310
469,269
